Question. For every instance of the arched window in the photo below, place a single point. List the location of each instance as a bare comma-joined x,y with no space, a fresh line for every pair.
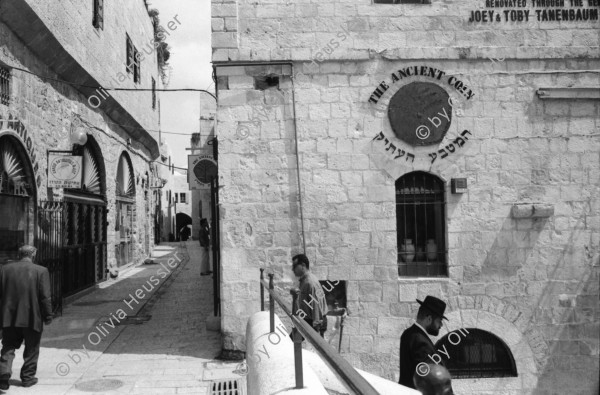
126,219
125,180
93,172
17,198
475,353
421,224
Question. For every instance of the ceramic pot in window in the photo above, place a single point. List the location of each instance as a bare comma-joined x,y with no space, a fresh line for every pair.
431,250
407,251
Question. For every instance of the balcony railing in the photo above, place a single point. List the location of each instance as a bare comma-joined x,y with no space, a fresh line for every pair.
343,370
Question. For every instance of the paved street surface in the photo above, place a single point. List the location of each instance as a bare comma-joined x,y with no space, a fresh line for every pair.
170,353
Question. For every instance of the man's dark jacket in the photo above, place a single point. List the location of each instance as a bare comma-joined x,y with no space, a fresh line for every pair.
415,347
25,300
204,237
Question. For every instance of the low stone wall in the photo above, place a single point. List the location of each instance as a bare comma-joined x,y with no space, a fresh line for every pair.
270,359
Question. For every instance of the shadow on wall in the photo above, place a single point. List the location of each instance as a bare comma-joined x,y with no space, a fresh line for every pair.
552,275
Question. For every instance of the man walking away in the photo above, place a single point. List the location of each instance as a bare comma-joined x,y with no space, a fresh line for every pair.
415,344
204,238
25,305
312,305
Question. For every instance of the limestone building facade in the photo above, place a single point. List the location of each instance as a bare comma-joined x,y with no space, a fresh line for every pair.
440,148
56,58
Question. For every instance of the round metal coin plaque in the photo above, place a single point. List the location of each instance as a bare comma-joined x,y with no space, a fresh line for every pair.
205,170
420,113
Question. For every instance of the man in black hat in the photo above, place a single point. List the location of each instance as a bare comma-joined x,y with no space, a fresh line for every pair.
415,344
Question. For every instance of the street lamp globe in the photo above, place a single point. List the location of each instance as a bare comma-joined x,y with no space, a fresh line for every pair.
79,137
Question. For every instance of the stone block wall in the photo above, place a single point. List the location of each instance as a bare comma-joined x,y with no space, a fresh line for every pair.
102,52
47,110
536,276
358,29
532,282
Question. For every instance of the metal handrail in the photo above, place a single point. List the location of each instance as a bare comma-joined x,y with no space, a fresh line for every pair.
343,370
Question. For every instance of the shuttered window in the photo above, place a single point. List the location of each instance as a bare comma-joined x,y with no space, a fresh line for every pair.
129,55
153,93
98,20
137,70
133,61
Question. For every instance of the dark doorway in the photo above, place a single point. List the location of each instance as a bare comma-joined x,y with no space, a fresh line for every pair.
182,221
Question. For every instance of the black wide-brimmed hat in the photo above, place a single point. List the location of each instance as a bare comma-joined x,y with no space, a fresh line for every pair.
435,305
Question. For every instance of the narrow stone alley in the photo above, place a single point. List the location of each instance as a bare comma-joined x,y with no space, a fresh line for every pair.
162,346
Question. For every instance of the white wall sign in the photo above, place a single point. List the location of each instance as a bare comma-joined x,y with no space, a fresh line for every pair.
64,170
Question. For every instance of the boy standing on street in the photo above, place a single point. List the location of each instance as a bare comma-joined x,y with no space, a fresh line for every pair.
312,305
204,237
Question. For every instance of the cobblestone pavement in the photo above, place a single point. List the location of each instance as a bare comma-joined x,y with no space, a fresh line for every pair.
170,353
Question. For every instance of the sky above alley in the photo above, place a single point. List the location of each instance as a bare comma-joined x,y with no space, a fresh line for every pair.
191,68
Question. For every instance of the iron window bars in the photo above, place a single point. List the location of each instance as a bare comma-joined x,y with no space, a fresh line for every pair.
477,354
4,86
402,1
420,219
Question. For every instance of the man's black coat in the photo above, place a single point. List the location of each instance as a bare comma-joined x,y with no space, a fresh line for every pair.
415,347
204,237
25,300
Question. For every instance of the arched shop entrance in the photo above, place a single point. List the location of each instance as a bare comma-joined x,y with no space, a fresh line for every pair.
125,211
85,223
183,220
17,197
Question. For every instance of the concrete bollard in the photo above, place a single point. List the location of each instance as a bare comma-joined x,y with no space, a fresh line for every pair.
270,360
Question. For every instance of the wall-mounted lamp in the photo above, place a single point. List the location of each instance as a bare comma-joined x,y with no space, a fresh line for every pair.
78,136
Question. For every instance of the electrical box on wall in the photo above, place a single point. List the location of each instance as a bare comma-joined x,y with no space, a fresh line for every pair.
458,185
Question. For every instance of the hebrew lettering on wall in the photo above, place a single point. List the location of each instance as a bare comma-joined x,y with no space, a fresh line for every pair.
445,151
392,149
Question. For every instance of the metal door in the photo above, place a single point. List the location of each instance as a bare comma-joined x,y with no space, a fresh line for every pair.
49,242
84,246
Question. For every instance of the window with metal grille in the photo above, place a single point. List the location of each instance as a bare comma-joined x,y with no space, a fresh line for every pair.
182,197
475,353
402,1
4,85
175,196
420,219
153,93
98,20
227,387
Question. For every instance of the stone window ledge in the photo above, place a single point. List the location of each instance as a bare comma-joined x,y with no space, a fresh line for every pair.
423,279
